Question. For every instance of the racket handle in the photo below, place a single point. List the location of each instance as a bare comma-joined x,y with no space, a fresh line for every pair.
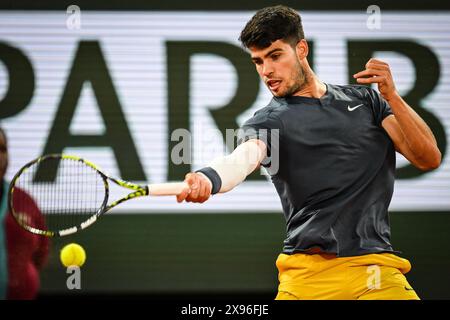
167,189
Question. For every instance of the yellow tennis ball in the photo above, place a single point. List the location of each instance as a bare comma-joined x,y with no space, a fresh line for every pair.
72,255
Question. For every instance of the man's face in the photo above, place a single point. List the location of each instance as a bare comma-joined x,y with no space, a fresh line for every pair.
279,67
3,156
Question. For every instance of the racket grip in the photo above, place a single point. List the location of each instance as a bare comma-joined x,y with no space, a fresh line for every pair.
167,189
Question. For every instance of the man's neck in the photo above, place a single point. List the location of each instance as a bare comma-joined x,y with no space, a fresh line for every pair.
314,88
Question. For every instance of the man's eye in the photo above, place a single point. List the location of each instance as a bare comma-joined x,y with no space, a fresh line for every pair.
275,56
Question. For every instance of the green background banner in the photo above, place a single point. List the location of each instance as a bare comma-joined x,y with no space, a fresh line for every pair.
223,254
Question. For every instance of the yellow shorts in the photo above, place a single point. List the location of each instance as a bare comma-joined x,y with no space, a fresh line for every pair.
327,277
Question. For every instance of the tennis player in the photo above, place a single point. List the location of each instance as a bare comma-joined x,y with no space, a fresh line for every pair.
336,172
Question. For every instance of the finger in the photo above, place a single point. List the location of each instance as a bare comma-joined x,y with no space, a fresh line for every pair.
195,186
368,73
186,191
377,66
182,196
377,61
190,179
371,80
204,192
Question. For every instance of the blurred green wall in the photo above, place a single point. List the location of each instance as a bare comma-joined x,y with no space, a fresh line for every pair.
223,254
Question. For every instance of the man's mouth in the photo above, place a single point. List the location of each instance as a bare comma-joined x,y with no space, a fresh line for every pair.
273,84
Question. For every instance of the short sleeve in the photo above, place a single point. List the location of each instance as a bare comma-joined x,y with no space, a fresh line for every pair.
380,106
265,126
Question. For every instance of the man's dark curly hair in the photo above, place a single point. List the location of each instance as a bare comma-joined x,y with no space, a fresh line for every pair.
271,24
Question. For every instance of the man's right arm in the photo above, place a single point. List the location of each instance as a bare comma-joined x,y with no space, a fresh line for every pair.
224,173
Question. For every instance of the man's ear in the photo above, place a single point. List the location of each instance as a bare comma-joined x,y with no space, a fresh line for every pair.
302,49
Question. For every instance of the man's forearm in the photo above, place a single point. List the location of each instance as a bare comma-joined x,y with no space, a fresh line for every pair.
417,134
234,168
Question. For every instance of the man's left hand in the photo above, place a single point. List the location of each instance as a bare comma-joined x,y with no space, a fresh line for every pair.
378,72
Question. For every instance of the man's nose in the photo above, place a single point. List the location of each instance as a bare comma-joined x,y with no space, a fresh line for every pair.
267,69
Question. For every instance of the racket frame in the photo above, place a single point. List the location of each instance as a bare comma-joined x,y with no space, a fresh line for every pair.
140,191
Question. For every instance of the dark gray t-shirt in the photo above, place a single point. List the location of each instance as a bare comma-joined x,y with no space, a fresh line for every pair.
335,172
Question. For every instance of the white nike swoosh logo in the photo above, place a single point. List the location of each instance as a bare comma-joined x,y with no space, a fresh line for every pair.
354,108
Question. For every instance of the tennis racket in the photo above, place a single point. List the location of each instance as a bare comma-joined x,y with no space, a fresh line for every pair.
58,194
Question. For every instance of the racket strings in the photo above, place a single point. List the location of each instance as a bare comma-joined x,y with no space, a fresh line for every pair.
57,194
